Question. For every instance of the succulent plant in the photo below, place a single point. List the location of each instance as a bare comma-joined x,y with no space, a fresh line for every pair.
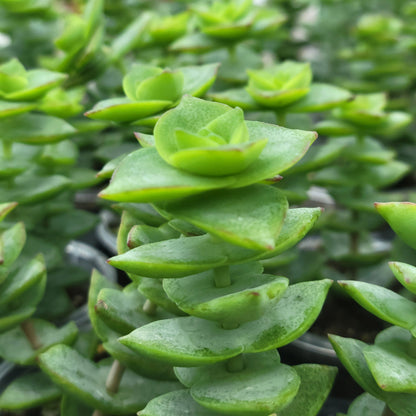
385,370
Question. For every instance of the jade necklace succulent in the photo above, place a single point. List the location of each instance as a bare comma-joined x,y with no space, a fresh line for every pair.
386,370
366,167
208,174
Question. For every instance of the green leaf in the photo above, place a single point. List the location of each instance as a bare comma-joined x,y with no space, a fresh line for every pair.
21,280
333,128
143,176
186,256
166,86
315,386
6,208
12,242
235,97
249,217
40,81
246,299
73,223
195,42
29,188
350,353
191,341
123,310
284,148
73,407
321,97
28,391
263,386
383,303
124,110
176,403
140,364
392,368
8,109
62,153
84,379
15,347
401,217
198,79
367,405
405,274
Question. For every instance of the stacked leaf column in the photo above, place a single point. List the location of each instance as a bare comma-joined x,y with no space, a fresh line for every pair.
210,174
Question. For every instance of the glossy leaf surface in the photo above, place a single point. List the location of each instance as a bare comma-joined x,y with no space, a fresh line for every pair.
83,378
191,341
401,216
15,347
29,390
246,299
250,217
405,274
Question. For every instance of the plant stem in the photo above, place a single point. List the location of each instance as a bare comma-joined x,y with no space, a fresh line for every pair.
412,348
222,276
149,308
388,412
281,118
235,364
7,149
114,377
30,332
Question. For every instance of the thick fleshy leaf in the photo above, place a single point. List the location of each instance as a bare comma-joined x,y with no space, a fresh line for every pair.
73,223
184,341
123,310
143,176
191,341
35,129
6,208
40,81
334,128
29,188
383,303
262,387
249,217
141,364
124,110
246,299
378,175
166,86
153,290
195,42
28,391
12,243
26,276
8,109
405,274
15,347
350,353
83,378
186,256
73,407
393,369
366,404
99,282
321,97
144,234
369,150
315,385
176,403
401,216
198,79
236,97
319,156
62,153
284,148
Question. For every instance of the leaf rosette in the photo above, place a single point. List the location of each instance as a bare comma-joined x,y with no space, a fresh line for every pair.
280,85
150,89
207,138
